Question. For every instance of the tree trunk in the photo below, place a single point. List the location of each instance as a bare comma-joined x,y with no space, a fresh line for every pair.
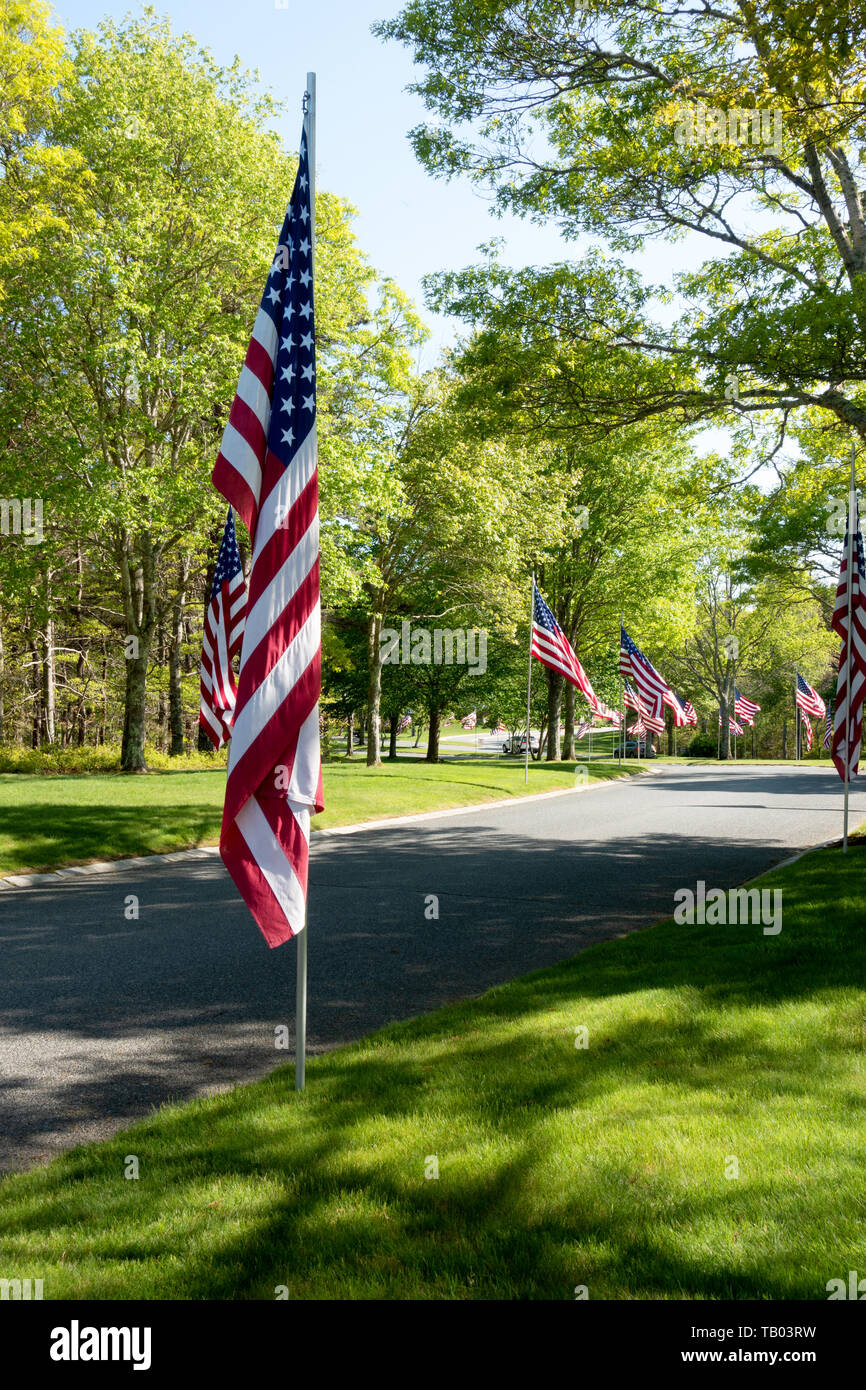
670,733
568,746
785,737
135,708
36,683
350,734
725,737
374,690
392,737
554,706
175,698
2,684
435,715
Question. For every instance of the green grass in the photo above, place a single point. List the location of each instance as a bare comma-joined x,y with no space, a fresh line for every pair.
51,822
558,1167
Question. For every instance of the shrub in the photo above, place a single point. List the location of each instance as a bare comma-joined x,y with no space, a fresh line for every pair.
53,762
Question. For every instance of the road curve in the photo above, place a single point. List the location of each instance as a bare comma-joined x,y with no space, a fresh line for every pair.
103,1018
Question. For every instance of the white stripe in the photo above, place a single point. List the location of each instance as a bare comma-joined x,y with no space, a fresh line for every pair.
265,612
272,862
241,456
265,333
266,700
253,393
281,499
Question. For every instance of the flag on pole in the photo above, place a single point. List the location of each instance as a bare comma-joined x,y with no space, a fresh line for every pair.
602,711
223,634
735,728
745,710
675,704
651,687
550,644
638,727
807,725
632,700
828,732
582,729
404,723
848,716
267,469
469,720
690,713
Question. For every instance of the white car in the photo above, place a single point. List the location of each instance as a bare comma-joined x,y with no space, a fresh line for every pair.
516,744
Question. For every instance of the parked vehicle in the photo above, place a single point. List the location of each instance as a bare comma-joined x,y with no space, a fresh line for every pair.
516,744
631,750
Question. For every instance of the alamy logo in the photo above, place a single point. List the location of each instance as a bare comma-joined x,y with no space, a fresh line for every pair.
856,1288
718,908
25,516
710,125
17,1289
444,646
77,1343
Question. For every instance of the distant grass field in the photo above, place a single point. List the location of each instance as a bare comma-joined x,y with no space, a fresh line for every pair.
706,1144
51,822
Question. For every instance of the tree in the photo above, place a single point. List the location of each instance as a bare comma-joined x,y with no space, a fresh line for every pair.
627,120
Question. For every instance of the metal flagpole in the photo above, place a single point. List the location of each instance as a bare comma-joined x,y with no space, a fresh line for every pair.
301,991
852,510
796,723
719,739
621,700
529,681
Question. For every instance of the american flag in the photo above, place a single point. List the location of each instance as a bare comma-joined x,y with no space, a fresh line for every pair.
499,728
745,709
734,727
828,732
651,687
469,720
690,713
550,644
633,701
848,716
638,727
808,728
582,729
267,469
603,711
404,723
676,705
809,700
223,634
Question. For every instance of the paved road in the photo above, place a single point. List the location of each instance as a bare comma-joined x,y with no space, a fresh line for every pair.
102,1018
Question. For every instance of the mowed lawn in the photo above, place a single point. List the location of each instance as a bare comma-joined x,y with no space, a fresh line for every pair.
51,822
706,1144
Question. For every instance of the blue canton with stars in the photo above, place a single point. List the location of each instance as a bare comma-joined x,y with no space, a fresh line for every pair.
288,300
229,558
542,614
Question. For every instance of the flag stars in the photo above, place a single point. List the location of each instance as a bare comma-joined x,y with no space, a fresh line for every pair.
308,372
304,247
305,277
288,436
288,372
287,343
310,402
305,310
274,295
307,342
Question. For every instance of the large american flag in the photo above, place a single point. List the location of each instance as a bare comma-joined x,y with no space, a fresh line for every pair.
550,644
677,707
745,709
469,720
267,469
690,713
848,716
809,700
651,687
223,634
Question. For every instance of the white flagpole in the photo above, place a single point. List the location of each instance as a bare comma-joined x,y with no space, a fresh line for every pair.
796,722
529,680
621,700
852,511
301,991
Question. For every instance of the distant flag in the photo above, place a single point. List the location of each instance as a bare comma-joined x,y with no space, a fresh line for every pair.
745,710
469,720
809,700
603,711
848,715
582,729
690,713
807,725
638,727
733,725
828,733
267,469
677,708
550,644
223,635
631,698
404,723
500,728
651,687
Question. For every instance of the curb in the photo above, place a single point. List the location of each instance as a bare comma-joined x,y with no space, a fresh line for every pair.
106,866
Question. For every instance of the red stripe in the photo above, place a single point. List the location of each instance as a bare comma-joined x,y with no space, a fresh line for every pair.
253,887
258,763
236,490
285,538
280,635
